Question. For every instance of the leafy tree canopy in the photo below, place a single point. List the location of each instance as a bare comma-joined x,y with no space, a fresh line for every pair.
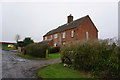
27,41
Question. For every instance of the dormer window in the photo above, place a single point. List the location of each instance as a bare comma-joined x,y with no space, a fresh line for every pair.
46,38
63,35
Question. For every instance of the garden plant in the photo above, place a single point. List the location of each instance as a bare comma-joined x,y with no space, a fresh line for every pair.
100,57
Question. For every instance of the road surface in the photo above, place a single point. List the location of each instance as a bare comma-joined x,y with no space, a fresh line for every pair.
14,66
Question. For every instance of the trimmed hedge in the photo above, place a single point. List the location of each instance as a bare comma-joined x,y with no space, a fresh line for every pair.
101,58
54,49
37,49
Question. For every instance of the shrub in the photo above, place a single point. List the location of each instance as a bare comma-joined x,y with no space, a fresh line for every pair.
98,57
37,49
54,49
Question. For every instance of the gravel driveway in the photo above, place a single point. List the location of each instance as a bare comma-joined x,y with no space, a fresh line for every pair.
14,66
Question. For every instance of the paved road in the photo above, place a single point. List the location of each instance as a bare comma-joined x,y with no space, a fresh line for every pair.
14,66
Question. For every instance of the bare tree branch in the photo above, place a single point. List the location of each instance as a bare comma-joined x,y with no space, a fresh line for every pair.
17,37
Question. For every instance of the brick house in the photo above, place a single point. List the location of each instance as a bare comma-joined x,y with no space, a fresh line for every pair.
74,30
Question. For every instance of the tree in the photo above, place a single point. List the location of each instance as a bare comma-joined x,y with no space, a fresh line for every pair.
17,37
27,41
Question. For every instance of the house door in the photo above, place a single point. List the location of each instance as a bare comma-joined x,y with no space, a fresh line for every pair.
59,39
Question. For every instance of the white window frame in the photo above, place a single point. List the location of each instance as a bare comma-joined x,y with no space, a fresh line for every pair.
72,33
87,35
55,44
55,35
63,35
64,43
46,38
51,36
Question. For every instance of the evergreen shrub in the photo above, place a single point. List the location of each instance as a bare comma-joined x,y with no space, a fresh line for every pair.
100,57
37,49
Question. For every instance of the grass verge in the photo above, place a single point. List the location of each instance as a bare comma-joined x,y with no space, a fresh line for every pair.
8,48
51,56
55,55
29,57
5,48
59,71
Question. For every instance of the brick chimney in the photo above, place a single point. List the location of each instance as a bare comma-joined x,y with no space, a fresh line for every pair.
70,18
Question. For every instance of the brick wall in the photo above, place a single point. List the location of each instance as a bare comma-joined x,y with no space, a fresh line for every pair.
87,26
79,33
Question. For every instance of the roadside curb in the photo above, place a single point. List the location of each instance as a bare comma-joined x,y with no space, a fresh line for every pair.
13,50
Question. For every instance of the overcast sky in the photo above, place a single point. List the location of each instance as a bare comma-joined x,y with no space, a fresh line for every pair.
34,19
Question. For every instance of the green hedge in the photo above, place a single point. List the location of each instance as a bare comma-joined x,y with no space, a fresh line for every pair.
37,49
54,49
101,58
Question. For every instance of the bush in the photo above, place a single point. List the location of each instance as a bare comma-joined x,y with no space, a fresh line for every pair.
37,49
98,57
54,49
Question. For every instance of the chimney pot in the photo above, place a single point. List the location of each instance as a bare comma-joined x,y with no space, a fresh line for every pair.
70,18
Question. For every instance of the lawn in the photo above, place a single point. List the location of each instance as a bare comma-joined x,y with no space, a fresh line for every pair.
5,47
51,56
8,48
59,71
54,55
29,57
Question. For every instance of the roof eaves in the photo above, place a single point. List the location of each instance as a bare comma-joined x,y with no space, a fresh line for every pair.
67,24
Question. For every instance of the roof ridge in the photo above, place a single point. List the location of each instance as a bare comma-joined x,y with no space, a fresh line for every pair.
67,26
74,20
